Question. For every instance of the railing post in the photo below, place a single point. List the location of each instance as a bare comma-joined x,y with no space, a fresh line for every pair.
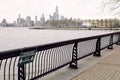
118,43
98,48
21,72
73,64
111,43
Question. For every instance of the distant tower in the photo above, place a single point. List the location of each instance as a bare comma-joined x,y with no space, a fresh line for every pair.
35,19
36,22
19,20
56,13
56,10
28,21
19,16
42,20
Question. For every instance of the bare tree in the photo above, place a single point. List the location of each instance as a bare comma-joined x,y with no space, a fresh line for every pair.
113,5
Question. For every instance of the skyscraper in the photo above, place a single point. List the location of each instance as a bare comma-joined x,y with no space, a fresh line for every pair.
55,14
19,20
35,19
28,21
42,20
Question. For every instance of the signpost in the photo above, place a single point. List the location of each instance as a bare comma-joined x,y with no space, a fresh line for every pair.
26,57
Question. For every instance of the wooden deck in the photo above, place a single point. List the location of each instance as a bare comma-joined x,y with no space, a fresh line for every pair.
107,69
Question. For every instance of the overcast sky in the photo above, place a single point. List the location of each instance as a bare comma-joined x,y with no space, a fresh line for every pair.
84,9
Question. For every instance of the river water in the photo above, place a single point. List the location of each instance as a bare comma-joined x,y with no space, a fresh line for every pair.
13,38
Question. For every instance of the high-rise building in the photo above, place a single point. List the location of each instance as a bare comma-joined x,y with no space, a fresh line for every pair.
55,14
35,19
20,21
42,20
28,21
36,22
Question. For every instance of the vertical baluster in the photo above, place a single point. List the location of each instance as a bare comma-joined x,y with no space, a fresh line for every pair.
21,72
9,69
65,53
29,71
61,56
41,65
47,60
50,61
44,64
35,60
56,53
5,69
39,61
32,70
54,58
14,68
0,63
58,56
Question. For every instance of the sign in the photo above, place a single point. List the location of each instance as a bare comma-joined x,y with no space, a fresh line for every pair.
26,57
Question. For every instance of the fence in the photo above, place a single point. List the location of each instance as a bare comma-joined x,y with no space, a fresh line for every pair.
34,62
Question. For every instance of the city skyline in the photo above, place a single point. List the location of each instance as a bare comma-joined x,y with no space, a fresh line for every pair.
83,9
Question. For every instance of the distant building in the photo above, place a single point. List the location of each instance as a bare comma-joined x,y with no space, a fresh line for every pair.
15,23
4,22
28,21
86,23
55,15
62,17
42,20
20,21
32,23
37,22
51,17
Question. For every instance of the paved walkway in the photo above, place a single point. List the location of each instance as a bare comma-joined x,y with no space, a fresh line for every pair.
107,69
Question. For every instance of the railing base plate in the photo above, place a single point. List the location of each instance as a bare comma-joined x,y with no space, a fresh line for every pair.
97,55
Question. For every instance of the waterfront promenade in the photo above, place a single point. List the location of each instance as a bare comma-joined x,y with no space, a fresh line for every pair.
107,69
58,56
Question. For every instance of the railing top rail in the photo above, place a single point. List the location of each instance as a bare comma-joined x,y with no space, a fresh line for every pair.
17,52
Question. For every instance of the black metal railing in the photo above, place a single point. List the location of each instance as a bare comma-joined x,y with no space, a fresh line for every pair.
34,62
